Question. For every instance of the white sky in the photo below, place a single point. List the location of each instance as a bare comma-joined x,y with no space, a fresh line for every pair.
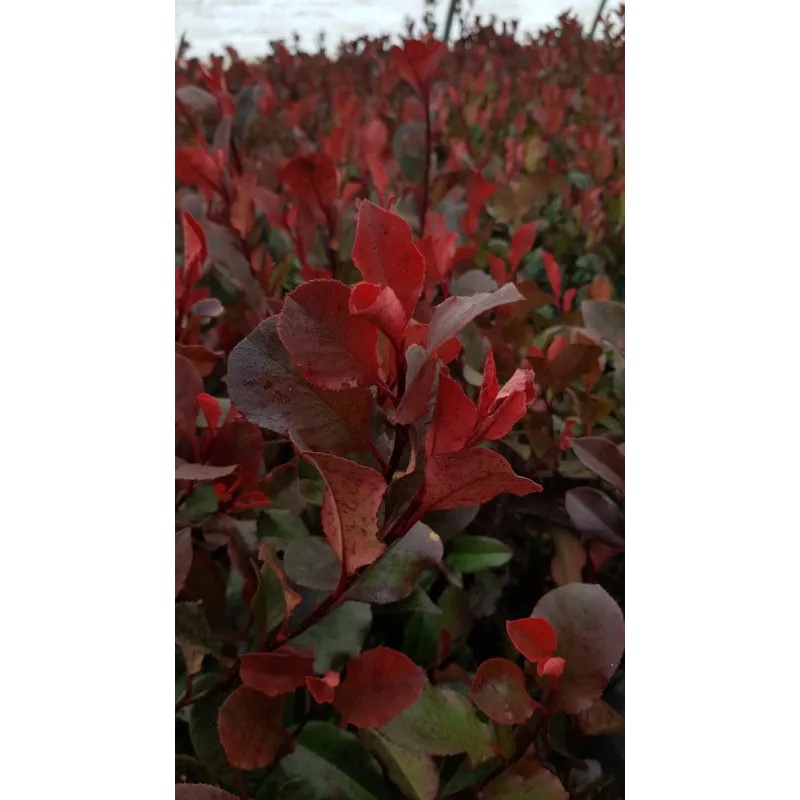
248,25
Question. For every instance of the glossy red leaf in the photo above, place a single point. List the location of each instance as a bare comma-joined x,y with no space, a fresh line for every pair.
553,274
453,480
211,409
350,507
603,457
417,333
334,348
455,313
379,176
417,61
521,244
323,689
569,297
379,305
277,673
533,637
554,667
438,251
416,400
268,390
196,167
183,557
498,689
591,638
489,385
201,791
251,728
385,254
312,179
238,442
497,269
454,418
195,251
379,685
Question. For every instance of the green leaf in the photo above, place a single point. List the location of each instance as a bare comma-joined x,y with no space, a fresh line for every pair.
194,637
331,764
466,775
312,491
338,637
440,723
418,600
415,774
201,503
474,553
204,734
269,601
421,638
282,524
313,563
396,573
579,179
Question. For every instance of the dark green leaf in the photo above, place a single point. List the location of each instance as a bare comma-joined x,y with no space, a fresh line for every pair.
338,637
205,736
313,563
331,764
269,601
194,637
201,503
285,524
414,773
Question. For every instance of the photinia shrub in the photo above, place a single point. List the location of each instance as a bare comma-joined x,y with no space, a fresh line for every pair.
399,419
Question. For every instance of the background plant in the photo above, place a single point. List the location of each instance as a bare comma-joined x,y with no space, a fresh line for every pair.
399,315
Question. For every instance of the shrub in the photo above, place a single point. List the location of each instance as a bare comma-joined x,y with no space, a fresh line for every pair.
399,420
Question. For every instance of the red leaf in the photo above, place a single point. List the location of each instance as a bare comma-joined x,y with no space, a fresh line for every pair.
417,61
508,408
456,313
188,384
489,385
553,273
322,689
195,251
335,349
379,176
533,637
183,557
278,673
251,728
381,307
385,254
350,507
417,397
267,389
569,296
195,166
417,333
453,480
238,442
312,179
438,251
603,458
454,418
591,637
201,791
550,666
211,409
497,269
521,244
498,690
379,685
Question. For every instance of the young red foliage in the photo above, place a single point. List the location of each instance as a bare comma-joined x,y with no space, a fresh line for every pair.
350,505
417,61
498,689
521,244
379,685
334,348
183,557
533,637
384,254
312,179
553,274
278,673
323,689
251,728
453,480
379,305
